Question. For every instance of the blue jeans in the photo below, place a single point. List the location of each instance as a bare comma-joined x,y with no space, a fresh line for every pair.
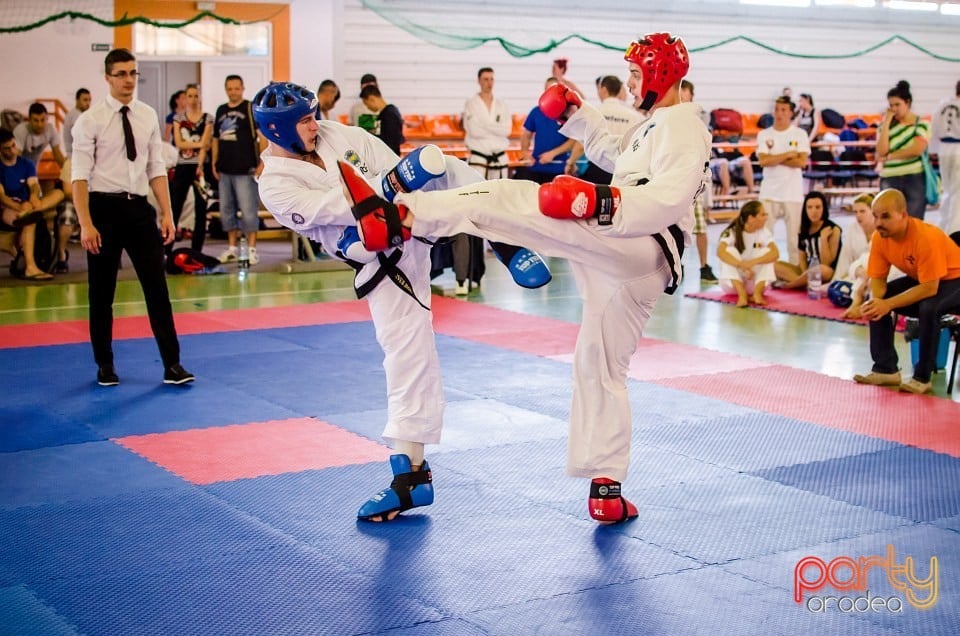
914,189
242,189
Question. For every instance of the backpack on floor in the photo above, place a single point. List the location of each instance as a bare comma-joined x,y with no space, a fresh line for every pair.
185,260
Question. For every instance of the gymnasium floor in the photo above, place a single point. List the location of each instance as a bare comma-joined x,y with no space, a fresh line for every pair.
227,507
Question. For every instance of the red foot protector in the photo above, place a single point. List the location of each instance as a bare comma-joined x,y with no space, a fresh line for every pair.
606,504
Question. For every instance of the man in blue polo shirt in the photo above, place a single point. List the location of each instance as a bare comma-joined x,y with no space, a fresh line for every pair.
21,203
550,149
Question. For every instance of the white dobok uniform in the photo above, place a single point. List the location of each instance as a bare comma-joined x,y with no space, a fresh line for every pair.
310,201
487,135
946,138
620,269
754,244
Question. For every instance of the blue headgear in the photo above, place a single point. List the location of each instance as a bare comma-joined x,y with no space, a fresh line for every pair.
278,107
840,293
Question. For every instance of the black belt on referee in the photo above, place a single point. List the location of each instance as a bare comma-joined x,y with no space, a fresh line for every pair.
120,195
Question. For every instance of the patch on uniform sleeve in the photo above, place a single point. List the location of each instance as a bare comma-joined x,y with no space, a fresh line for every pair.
297,218
351,157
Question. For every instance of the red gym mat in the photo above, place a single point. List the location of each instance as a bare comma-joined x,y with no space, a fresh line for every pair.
785,302
75,331
916,420
239,451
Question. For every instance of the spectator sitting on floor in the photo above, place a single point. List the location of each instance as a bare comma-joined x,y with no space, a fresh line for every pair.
747,254
856,245
820,237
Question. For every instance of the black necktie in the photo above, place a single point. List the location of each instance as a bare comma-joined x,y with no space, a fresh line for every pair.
128,134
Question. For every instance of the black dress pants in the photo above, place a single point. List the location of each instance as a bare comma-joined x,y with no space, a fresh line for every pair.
128,224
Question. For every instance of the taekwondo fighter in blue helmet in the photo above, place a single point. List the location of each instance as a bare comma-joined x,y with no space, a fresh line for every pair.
301,187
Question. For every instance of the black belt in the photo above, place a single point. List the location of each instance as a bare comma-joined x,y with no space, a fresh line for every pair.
492,159
120,195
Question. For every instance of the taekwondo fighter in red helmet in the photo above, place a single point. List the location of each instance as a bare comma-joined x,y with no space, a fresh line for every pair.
624,241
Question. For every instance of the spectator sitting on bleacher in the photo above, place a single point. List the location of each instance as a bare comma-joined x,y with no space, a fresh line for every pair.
818,236
807,117
33,136
81,103
20,202
386,121
782,151
360,108
548,158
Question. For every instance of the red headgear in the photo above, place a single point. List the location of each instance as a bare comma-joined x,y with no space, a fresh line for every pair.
663,62
186,263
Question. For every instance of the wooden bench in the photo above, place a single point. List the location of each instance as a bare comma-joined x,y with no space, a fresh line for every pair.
727,206
274,231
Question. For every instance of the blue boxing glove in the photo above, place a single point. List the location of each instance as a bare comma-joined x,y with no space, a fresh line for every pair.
414,171
350,246
525,266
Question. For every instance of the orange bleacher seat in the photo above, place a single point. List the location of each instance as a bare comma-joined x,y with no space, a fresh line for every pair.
344,119
47,169
443,126
750,121
517,130
414,127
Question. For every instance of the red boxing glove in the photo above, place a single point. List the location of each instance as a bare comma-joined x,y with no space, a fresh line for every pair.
559,102
379,222
567,197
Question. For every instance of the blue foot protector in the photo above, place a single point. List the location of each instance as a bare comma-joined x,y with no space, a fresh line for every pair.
409,489
525,266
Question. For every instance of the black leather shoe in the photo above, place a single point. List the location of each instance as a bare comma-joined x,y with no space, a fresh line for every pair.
176,374
107,376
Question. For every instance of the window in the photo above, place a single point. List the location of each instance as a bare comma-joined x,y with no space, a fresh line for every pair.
204,38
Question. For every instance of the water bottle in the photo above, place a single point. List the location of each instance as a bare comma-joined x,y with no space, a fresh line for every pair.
243,260
814,281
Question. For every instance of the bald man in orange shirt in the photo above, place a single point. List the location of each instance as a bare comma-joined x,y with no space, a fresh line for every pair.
931,288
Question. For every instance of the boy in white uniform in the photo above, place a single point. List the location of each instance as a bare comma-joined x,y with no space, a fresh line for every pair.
624,242
302,190
782,150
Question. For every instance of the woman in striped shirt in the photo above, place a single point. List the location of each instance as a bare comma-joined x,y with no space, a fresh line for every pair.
901,140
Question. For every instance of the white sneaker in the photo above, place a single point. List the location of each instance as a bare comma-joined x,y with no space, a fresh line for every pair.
254,259
462,289
228,255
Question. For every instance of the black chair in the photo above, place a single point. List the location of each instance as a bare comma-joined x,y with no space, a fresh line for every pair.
863,171
819,169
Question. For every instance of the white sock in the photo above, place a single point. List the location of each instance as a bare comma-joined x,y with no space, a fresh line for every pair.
413,450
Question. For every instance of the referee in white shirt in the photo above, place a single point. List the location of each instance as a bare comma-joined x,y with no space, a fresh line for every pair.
117,155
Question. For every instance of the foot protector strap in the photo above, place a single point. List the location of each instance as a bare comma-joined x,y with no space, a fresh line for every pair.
409,489
607,504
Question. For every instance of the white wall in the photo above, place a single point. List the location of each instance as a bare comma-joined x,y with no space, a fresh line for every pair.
341,39
419,77
54,60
